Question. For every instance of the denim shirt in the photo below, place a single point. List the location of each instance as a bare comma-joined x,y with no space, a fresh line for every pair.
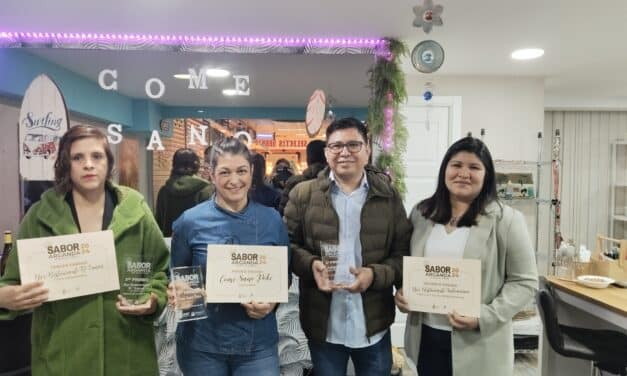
228,329
347,322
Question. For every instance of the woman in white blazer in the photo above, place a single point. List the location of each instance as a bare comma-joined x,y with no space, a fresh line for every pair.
464,219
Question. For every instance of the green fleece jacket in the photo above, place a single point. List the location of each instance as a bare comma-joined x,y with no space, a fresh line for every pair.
87,335
178,194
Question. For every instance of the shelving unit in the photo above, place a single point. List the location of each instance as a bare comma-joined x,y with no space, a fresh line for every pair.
618,190
524,203
526,329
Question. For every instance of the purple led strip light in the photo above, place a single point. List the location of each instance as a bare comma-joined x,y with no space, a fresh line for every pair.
42,37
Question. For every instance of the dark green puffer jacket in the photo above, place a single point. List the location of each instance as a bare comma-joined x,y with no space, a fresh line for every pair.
309,173
178,194
385,234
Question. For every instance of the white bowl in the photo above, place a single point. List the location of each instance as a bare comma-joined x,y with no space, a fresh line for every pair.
594,281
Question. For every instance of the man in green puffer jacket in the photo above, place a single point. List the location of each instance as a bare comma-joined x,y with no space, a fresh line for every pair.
183,190
357,211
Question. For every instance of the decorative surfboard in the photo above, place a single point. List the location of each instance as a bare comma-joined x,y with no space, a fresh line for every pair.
43,120
315,112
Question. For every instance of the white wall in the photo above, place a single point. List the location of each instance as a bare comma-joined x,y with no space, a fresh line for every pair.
510,109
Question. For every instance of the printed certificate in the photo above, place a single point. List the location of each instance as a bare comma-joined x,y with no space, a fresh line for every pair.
244,273
70,265
440,285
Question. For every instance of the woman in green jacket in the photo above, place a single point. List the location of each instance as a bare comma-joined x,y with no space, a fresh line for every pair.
463,219
97,334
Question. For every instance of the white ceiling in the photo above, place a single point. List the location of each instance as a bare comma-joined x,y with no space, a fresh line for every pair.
584,40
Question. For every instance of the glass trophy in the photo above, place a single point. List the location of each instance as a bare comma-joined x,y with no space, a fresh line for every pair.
135,278
190,293
337,264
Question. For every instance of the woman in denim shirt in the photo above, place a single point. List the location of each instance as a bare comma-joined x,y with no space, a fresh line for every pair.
235,339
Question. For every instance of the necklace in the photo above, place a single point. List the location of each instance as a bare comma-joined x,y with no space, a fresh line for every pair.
453,221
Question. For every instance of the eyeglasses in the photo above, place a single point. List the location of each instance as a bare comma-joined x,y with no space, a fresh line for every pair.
352,146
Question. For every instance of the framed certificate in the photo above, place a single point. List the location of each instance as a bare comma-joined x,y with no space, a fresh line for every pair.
441,285
70,265
244,273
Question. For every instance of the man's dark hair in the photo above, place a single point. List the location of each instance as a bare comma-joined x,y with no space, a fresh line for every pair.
315,152
347,123
185,162
259,169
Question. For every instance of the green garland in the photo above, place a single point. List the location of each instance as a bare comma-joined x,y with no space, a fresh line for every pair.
386,76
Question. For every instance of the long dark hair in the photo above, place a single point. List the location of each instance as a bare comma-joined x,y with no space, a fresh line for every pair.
63,164
438,207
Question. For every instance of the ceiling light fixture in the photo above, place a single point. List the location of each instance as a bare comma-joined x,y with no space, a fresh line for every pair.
217,72
229,92
527,53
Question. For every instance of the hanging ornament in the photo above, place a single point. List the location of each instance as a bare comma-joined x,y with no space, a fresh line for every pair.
427,94
428,15
427,56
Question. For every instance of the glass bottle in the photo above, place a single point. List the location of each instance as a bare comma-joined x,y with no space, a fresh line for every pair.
8,246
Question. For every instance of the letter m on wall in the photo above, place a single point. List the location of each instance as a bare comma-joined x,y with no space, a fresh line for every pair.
197,80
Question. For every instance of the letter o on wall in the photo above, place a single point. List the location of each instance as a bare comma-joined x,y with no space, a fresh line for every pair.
149,85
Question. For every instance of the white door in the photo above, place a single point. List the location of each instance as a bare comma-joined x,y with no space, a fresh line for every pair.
431,129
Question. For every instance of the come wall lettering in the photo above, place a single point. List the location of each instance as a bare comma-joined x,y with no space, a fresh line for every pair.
155,88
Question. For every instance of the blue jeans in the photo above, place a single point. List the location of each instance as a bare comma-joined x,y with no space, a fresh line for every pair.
258,363
331,360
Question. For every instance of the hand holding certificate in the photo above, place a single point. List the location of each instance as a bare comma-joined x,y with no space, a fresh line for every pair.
70,265
246,273
443,286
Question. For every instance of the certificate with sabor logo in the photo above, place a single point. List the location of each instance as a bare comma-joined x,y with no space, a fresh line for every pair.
70,265
244,273
440,285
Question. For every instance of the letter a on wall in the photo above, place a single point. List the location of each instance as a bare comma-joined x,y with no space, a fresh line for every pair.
43,120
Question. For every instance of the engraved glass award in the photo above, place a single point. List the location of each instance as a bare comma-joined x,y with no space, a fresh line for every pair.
190,293
135,278
337,264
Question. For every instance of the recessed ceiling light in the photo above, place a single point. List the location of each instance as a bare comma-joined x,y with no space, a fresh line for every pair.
527,53
200,111
217,72
229,92
182,76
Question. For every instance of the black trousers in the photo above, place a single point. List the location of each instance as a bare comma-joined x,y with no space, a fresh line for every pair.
435,358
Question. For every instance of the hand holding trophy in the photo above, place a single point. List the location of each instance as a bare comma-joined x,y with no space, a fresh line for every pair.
187,294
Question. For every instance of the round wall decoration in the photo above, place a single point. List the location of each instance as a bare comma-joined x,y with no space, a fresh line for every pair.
427,56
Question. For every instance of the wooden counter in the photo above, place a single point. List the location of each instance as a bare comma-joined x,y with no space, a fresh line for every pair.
613,298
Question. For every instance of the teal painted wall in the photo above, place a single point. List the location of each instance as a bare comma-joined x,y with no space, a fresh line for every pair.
82,96
18,68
